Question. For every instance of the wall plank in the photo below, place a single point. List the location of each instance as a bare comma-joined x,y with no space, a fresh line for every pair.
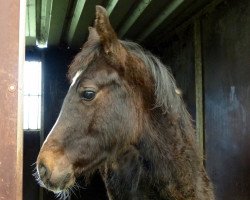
226,62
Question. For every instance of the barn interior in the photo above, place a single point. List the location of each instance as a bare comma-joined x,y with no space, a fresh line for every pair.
204,43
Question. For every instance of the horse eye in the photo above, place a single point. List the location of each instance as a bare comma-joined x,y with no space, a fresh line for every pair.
88,95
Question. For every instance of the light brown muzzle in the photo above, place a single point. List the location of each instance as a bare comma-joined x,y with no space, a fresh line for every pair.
54,170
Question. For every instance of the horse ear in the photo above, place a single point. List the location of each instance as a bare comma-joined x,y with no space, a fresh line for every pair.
108,37
93,35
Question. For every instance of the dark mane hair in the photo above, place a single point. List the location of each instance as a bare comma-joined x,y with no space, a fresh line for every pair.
165,88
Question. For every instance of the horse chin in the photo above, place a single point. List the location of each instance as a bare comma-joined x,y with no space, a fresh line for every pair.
62,194
62,191
57,184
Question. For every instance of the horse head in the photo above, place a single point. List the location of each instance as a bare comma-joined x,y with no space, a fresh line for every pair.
102,112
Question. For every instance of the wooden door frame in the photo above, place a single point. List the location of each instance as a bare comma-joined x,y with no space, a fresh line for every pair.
12,40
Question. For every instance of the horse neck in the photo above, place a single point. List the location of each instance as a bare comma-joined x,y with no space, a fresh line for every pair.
163,138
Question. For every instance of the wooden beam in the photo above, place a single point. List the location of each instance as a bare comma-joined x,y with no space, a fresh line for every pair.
133,17
75,20
121,9
31,23
199,85
19,133
44,8
169,33
162,17
12,39
83,17
111,5
58,13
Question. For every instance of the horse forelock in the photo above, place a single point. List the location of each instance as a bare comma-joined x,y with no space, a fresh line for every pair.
83,59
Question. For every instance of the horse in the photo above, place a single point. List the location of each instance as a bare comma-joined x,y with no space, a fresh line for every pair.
124,117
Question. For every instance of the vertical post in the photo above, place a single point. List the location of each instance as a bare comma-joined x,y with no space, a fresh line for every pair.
42,114
12,40
21,59
199,85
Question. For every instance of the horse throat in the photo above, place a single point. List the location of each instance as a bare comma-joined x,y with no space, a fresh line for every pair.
163,145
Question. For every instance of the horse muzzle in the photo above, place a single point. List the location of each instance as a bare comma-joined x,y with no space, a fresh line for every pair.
54,171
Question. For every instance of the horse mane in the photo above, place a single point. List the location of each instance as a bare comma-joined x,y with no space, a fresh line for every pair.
165,87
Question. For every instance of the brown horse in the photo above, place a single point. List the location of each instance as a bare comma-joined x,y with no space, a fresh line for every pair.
124,117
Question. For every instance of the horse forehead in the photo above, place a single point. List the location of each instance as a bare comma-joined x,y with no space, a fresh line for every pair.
77,75
98,75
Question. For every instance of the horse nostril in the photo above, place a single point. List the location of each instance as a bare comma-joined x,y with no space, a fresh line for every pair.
43,171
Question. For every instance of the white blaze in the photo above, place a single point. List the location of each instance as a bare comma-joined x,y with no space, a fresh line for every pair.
76,77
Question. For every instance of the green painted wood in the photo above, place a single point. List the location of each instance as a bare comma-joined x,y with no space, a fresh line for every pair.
180,19
30,31
38,18
83,17
158,20
58,13
111,5
134,16
75,20
43,9
67,21
121,12
153,9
